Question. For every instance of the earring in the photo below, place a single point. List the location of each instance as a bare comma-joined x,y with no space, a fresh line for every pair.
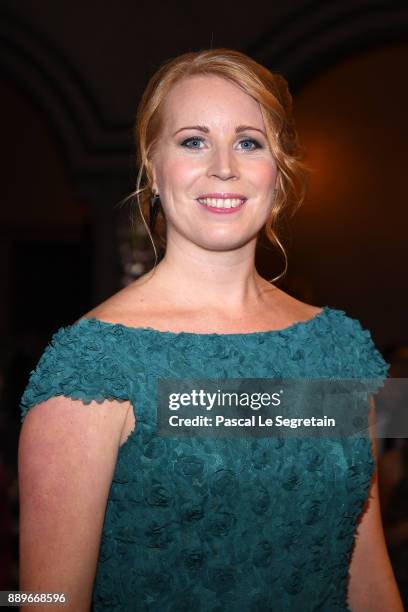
154,209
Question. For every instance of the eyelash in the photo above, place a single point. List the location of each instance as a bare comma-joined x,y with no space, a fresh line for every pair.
198,138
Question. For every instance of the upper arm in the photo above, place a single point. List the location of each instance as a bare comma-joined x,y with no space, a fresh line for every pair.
372,584
67,455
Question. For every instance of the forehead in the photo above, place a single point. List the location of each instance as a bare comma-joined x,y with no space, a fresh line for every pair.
209,100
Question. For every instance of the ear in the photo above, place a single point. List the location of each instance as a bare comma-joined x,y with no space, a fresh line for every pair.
151,162
153,175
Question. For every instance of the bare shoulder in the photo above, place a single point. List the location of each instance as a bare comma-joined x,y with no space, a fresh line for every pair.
292,310
307,311
133,305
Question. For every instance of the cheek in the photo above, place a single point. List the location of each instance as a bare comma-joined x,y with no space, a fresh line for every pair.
180,172
263,174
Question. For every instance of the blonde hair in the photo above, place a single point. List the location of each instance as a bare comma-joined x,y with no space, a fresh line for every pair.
269,89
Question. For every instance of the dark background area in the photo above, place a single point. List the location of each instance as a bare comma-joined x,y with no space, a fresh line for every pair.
71,77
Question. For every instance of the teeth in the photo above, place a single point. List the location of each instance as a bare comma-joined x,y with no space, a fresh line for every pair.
221,202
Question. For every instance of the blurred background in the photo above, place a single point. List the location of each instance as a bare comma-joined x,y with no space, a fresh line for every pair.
71,77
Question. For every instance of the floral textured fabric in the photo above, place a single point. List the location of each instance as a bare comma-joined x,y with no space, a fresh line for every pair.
228,524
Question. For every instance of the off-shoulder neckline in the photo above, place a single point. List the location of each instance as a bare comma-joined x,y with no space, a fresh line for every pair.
173,334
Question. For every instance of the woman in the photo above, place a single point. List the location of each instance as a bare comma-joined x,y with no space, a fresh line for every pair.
175,524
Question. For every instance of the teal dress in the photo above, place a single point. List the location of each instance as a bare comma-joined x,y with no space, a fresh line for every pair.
219,524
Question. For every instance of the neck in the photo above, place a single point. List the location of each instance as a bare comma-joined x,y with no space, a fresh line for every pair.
194,279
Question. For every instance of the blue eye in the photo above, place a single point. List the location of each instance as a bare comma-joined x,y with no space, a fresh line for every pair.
199,139
253,141
192,139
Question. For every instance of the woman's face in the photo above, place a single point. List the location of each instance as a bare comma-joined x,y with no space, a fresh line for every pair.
213,143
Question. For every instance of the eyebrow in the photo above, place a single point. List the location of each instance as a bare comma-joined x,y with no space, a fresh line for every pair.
205,129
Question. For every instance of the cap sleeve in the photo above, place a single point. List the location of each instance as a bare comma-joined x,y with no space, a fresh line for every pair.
369,362
80,362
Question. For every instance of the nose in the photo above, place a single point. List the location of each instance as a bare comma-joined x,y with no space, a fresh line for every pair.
223,164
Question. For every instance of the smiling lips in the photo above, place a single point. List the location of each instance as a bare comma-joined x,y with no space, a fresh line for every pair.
222,202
